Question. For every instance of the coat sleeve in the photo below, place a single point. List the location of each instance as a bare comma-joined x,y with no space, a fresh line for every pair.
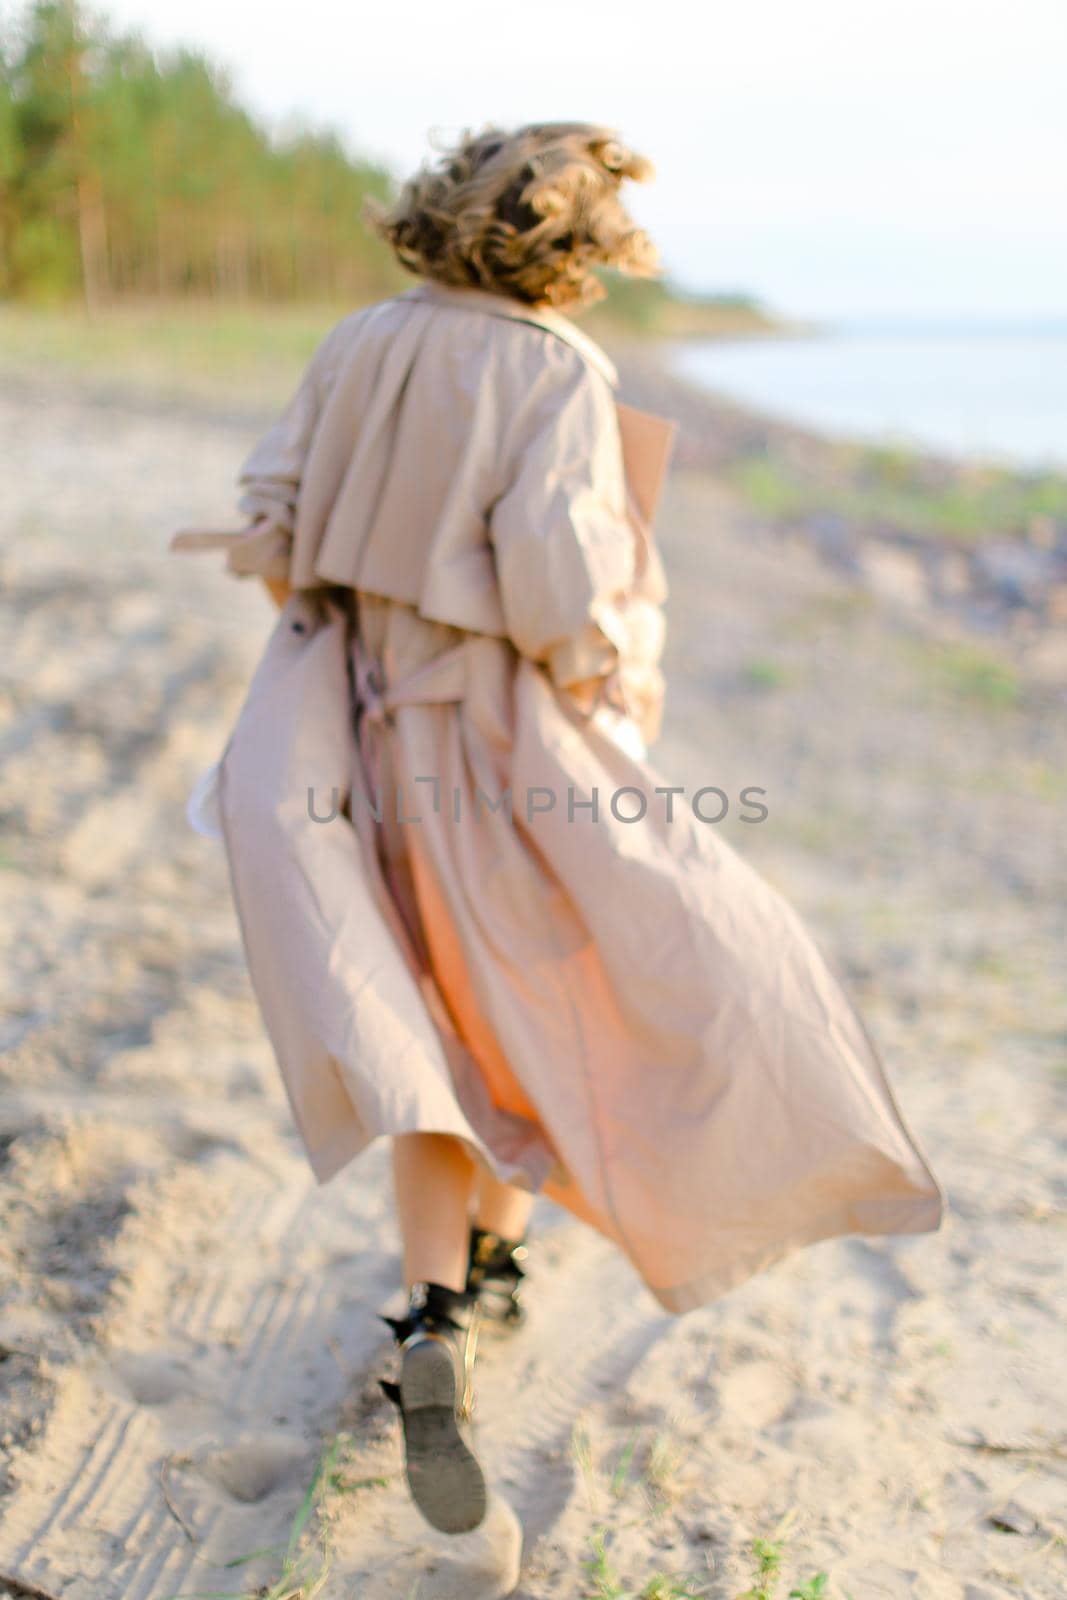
270,478
566,551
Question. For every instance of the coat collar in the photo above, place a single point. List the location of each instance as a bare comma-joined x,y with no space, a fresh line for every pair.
501,305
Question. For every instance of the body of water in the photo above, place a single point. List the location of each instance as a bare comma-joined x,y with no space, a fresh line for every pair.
985,392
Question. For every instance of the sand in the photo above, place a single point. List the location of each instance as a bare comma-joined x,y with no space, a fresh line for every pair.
187,1322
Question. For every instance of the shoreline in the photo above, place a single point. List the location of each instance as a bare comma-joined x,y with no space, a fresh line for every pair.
985,540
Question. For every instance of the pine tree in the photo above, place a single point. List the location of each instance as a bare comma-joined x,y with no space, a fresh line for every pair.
126,172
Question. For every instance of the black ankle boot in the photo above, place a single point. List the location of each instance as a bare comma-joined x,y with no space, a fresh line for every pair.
435,1397
495,1275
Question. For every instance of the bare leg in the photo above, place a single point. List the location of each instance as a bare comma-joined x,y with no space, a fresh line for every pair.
499,1207
433,1176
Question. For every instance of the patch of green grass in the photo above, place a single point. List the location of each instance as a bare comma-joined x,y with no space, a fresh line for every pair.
900,489
339,1484
194,348
664,1587
768,1555
661,1465
814,1589
622,1469
995,964
967,672
604,1581
305,1563
769,487
1045,781
825,612
582,1450
655,1477
762,673
830,828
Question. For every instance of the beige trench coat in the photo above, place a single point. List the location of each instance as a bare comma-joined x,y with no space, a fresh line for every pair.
452,919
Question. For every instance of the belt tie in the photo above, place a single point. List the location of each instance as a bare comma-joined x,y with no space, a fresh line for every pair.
440,681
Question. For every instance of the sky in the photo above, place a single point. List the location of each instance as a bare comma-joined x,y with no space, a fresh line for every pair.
836,158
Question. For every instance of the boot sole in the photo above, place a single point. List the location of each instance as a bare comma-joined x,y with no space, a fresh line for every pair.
446,1481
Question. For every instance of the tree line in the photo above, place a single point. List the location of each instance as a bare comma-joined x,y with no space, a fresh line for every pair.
128,172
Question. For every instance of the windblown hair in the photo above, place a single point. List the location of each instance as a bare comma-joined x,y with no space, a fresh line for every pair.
527,213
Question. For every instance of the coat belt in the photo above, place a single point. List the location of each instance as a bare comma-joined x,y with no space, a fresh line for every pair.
437,682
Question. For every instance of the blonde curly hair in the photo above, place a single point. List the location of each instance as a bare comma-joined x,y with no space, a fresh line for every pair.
526,213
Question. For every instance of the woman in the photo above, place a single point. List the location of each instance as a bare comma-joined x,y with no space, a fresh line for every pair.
476,918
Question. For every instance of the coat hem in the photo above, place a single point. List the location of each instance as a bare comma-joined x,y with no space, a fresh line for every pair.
327,1160
925,1216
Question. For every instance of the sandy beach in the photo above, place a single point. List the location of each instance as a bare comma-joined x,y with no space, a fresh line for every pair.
188,1325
